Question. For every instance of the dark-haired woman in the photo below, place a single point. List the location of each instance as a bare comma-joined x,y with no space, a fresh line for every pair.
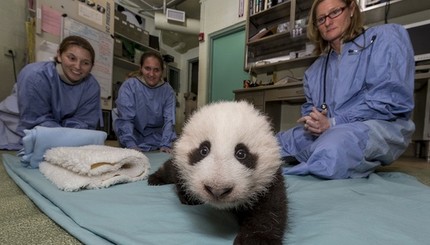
146,108
60,93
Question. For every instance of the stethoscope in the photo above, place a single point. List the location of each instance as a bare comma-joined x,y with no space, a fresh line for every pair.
324,105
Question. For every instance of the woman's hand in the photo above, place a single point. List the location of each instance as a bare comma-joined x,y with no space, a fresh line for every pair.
136,148
316,122
166,150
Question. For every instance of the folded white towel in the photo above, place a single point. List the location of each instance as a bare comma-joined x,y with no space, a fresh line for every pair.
93,166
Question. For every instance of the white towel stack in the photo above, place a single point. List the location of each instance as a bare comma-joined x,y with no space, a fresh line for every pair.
93,166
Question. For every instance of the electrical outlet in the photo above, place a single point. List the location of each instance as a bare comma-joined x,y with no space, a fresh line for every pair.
9,52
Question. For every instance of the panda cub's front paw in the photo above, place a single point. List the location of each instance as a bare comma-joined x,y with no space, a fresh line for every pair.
154,179
243,239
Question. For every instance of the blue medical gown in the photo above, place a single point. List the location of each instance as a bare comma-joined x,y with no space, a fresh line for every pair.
369,92
9,119
45,100
146,115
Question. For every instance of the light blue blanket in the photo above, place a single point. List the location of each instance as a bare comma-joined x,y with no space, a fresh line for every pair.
386,208
38,140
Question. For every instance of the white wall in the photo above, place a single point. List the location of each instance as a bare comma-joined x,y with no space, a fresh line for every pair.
184,78
180,62
215,15
12,29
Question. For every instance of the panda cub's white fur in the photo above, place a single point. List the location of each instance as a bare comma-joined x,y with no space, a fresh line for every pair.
225,125
228,157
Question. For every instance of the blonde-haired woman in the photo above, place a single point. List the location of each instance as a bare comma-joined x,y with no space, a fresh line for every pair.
359,96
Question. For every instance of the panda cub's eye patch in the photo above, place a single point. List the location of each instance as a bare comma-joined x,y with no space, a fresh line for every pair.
200,153
244,156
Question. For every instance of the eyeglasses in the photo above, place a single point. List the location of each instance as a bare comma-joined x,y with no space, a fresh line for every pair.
333,14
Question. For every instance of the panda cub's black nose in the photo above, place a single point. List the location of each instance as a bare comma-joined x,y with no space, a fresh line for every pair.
218,193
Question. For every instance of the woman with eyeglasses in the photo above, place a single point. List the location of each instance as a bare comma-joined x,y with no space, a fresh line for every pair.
146,107
359,96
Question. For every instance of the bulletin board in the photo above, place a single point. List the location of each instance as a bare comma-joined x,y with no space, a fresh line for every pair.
102,43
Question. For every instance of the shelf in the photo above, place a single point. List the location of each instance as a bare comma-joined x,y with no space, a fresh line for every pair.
121,62
278,12
281,44
302,8
268,50
275,46
284,65
282,36
145,47
376,13
276,36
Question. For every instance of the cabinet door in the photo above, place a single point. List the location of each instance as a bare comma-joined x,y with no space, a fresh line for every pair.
254,97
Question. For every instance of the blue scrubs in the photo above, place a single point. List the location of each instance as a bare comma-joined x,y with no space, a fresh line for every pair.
9,119
369,93
146,115
45,100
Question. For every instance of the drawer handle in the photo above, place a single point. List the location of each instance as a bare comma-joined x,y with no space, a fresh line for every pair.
297,92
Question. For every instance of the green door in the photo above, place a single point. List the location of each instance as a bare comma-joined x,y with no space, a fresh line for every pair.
227,74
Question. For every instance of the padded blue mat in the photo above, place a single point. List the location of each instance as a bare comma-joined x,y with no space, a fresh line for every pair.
386,208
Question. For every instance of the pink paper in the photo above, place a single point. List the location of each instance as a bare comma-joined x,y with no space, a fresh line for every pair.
51,21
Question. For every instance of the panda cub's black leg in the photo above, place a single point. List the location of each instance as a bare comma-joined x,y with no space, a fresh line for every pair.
184,197
166,174
266,221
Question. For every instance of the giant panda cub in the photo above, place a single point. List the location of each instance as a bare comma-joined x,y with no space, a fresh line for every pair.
228,157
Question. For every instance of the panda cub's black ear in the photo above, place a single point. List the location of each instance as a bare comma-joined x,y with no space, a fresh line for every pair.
200,153
244,156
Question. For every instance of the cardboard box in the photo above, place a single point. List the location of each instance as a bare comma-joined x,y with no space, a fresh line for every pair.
117,47
137,55
120,15
153,42
144,38
131,32
121,27
139,36
119,21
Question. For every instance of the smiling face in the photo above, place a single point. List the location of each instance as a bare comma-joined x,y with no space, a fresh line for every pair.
76,62
337,16
151,71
